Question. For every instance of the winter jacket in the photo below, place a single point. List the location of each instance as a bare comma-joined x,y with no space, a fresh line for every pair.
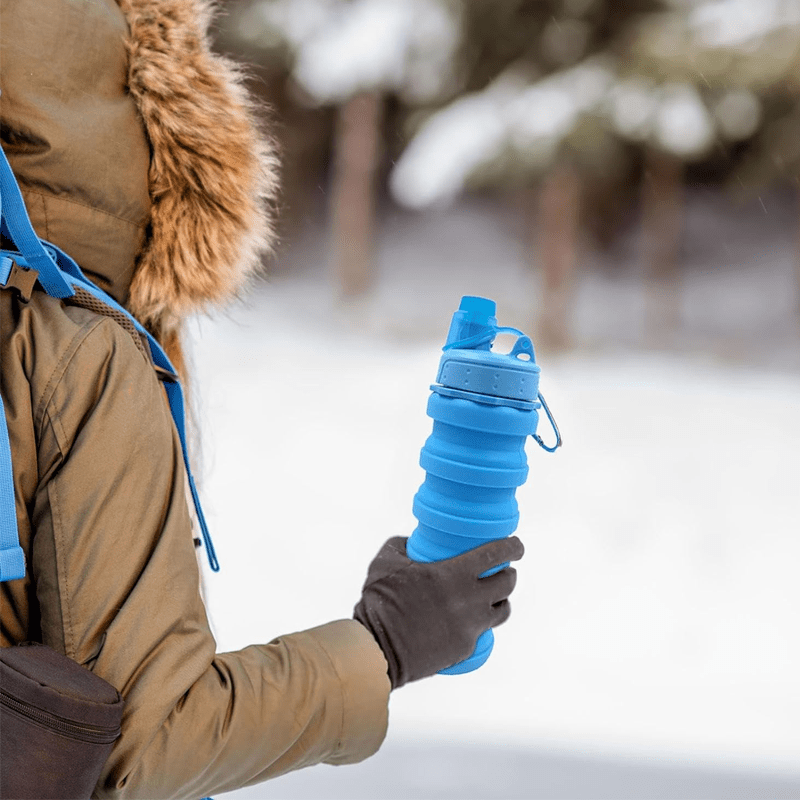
137,154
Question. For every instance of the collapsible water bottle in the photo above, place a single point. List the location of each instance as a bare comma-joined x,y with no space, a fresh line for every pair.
484,406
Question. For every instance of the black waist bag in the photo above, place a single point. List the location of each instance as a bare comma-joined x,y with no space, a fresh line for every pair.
58,723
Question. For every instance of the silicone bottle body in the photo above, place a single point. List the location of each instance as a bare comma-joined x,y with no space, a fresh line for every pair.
474,459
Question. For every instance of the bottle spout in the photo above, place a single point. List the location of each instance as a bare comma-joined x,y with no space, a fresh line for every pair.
475,320
480,310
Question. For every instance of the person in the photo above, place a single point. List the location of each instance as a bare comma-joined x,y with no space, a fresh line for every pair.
138,153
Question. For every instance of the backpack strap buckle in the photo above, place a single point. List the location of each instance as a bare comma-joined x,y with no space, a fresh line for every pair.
13,276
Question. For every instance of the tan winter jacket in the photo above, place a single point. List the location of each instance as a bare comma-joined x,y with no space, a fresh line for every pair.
137,154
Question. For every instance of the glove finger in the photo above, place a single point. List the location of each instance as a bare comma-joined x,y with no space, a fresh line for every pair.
500,612
499,586
491,554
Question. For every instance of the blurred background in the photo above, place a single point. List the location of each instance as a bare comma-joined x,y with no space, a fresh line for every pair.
623,178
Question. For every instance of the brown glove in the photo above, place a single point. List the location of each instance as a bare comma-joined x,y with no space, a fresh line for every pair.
427,617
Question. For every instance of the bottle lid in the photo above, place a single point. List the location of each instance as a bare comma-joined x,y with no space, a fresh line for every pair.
469,365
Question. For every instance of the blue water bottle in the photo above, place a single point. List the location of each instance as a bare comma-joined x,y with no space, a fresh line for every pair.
484,406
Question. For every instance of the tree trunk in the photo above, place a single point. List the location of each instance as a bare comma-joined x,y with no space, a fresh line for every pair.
356,158
662,232
797,257
557,241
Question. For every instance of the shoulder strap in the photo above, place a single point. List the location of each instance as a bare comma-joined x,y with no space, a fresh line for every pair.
12,557
61,277
16,225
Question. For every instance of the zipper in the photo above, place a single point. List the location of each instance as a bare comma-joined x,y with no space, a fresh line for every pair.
86,733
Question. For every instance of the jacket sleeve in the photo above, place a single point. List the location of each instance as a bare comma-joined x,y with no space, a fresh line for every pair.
118,587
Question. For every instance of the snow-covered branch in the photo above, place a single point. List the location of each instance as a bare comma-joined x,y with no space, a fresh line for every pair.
532,121
342,48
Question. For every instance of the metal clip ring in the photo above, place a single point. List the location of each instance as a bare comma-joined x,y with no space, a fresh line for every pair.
557,432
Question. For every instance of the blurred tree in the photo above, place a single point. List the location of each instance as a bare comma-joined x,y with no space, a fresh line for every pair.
353,56
558,226
600,85
357,154
744,59
575,97
530,109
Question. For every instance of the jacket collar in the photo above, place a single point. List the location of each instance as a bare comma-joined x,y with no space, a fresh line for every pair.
213,175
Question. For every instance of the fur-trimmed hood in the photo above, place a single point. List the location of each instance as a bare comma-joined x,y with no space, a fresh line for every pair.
137,148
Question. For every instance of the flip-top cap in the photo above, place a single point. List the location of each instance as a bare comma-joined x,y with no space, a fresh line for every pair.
478,309
475,316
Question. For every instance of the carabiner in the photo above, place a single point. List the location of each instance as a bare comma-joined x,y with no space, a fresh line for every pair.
557,432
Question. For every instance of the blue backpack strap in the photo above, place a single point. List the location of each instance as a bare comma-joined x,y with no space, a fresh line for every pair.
12,557
17,226
63,276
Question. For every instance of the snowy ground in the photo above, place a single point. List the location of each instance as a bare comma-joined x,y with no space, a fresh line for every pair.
654,633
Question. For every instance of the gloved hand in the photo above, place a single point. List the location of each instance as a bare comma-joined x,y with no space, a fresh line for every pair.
427,617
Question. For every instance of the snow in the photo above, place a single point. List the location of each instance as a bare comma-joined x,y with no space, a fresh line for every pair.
736,23
364,48
632,105
295,21
659,591
342,48
656,609
682,123
454,142
549,110
738,114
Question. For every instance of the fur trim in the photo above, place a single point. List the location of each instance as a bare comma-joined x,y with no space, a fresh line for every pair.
213,176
